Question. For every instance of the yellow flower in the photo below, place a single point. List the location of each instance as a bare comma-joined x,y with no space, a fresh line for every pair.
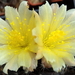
55,36
17,47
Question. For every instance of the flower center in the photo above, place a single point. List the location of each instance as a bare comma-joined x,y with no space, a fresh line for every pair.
16,39
54,38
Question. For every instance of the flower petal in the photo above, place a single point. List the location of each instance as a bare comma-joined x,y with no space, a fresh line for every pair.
70,16
37,31
4,25
49,55
45,13
33,62
24,59
69,29
58,64
25,13
55,7
39,54
12,65
13,18
4,54
4,31
58,18
67,57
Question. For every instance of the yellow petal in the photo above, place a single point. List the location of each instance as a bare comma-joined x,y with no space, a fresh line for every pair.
4,55
37,31
49,55
58,64
67,57
30,26
69,29
33,62
24,59
12,16
4,31
4,25
39,54
70,16
58,18
24,12
45,13
12,65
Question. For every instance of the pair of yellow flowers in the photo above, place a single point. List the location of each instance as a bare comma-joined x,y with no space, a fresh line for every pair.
27,36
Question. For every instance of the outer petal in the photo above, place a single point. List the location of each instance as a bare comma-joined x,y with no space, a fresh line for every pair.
55,7
53,60
49,55
67,47
28,28
27,18
24,12
4,25
67,57
24,59
27,60
12,65
4,31
69,29
37,31
33,62
45,12
13,17
58,18
5,54
70,16
58,64
39,54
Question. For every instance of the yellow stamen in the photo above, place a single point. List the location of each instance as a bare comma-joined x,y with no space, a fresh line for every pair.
54,38
16,39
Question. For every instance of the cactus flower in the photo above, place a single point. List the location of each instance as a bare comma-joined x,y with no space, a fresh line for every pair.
17,47
55,36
